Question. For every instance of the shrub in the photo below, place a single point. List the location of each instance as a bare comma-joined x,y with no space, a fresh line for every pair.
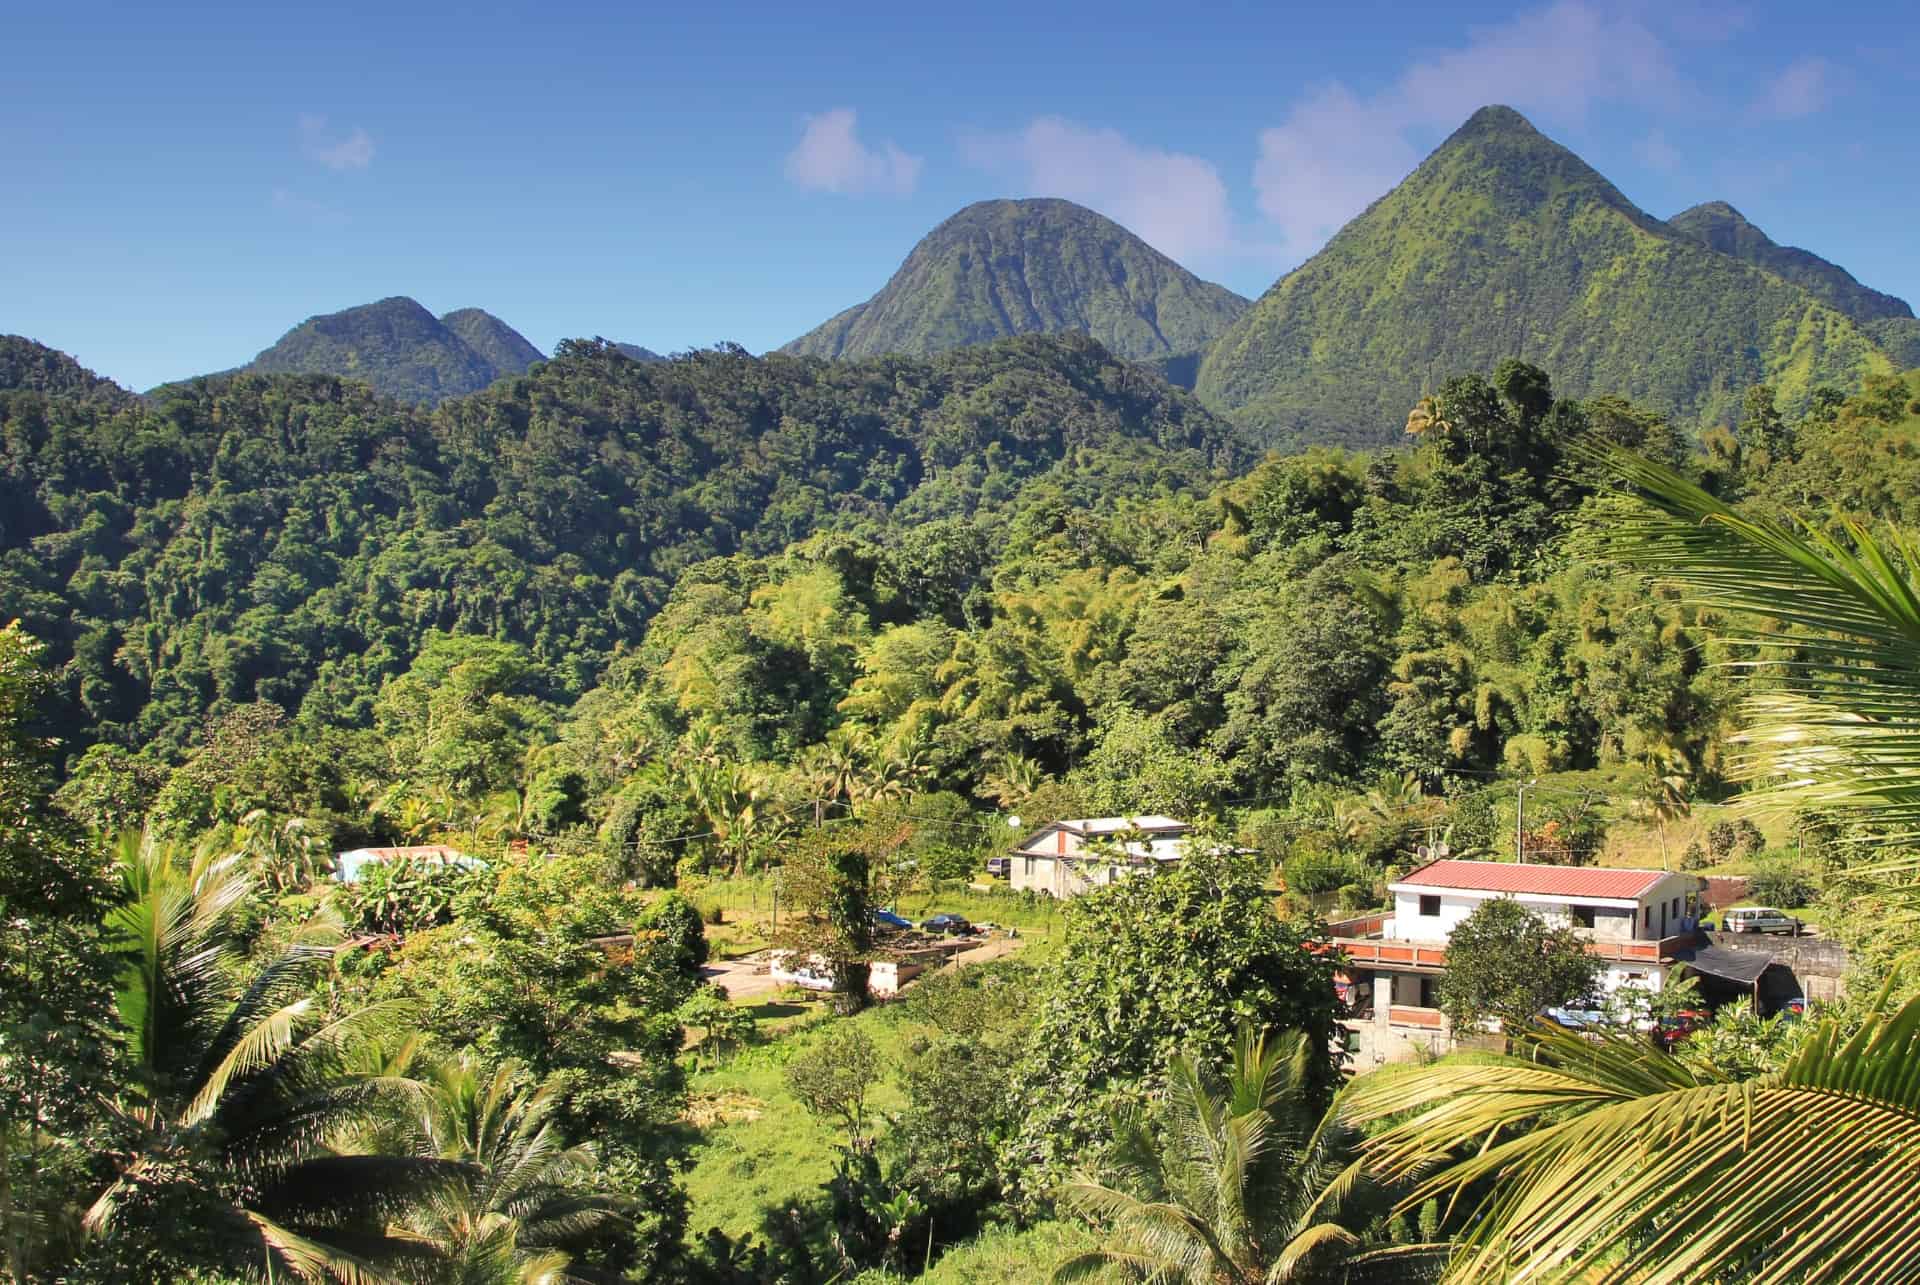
1784,883
1747,839
1695,857
1721,838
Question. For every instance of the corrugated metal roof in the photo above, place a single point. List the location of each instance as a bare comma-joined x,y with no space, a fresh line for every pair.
1530,877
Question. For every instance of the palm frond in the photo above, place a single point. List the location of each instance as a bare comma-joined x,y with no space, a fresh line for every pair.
1837,622
1603,1168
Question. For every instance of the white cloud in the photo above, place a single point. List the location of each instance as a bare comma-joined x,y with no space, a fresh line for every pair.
1801,90
1655,152
352,151
831,158
1336,151
1175,202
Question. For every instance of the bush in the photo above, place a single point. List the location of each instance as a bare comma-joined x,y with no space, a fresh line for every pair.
1747,839
1695,857
1314,870
1784,883
1721,838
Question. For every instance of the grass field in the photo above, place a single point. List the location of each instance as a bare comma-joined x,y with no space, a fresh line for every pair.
999,1256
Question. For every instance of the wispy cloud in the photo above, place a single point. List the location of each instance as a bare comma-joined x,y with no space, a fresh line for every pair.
350,151
831,158
1337,150
1175,202
1803,88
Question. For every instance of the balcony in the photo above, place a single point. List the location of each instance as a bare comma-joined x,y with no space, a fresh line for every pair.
1367,942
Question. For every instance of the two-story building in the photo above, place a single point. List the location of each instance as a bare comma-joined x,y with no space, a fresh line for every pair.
1066,858
1634,921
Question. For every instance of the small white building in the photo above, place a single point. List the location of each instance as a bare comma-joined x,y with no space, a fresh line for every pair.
1634,922
1066,858
348,865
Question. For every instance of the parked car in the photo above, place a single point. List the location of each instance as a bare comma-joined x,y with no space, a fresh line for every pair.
1577,1017
999,867
890,922
947,926
1760,919
1672,1030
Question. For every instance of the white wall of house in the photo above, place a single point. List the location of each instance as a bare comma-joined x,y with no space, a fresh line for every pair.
1658,912
1065,878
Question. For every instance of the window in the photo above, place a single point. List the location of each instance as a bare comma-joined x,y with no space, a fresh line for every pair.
1029,866
1676,907
1430,905
1648,911
1582,915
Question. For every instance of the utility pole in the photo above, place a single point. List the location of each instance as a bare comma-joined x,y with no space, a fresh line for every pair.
1520,821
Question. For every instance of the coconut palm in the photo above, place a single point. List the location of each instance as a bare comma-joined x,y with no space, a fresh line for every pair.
531,1198
1244,1183
1836,727
1601,1158
242,1090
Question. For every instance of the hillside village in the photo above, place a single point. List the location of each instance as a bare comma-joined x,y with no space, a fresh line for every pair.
1059,772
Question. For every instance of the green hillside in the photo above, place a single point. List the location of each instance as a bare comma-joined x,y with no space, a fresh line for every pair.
504,349
295,538
1002,268
30,367
401,350
1503,242
1719,226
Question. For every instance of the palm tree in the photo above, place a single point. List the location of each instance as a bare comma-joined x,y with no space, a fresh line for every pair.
1602,1158
1244,1184
241,1090
531,1198
1836,727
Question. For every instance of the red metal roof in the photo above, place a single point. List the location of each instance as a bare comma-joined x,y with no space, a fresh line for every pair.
1530,877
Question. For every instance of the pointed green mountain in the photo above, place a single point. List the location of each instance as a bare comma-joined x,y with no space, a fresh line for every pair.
1504,243
502,347
1003,268
395,345
1719,226
27,366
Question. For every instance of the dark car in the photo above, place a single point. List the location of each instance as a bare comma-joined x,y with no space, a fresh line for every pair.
947,926
887,921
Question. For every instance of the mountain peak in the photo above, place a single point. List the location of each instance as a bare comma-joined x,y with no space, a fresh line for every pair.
1720,227
1504,243
402,350
1034,265
1497,118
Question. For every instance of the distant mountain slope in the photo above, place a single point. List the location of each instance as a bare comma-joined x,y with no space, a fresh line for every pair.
1719,226
33,367
502,347
638,353
190,552
1504,243
1003,268
399,348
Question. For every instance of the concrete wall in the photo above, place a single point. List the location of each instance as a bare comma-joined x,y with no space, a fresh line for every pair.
1820,966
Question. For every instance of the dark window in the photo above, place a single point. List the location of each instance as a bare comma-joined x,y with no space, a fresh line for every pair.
1649,914
1583,915
1676,907
1429,905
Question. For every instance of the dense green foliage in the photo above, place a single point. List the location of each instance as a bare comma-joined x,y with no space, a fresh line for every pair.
1503,242
402,350
1000,268
296,540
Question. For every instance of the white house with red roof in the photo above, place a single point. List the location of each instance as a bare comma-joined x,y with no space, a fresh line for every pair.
1634,921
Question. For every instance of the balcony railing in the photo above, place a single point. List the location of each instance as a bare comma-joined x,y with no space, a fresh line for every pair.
1363,941
1428,1019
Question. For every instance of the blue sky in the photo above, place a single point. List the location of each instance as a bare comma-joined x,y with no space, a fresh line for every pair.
179,184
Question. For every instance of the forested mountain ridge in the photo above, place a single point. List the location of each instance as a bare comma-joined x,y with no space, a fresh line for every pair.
1719,226
293,538
402,350
1001,268
1502,242
32,367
